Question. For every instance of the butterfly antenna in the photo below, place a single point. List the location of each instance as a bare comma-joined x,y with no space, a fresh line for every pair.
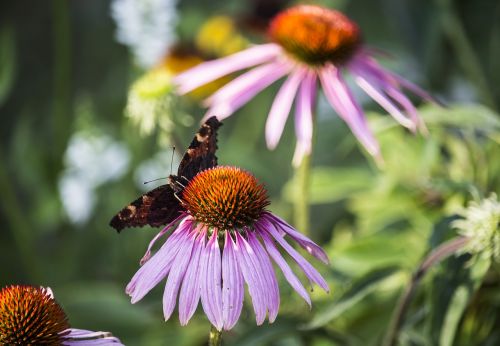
150,181
172,158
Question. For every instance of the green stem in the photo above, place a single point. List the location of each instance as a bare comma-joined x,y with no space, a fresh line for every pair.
465,53
215,337
301,200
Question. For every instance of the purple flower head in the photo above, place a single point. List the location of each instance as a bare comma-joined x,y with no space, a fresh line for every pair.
223,239
31,316
310,44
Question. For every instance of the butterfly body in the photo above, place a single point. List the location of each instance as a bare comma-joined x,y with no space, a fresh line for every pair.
162,205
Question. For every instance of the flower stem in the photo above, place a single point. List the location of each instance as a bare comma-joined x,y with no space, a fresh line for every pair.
440,253
215,337
301,200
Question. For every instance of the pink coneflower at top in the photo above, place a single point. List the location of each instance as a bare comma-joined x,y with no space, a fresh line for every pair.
223,238
31,316
310,43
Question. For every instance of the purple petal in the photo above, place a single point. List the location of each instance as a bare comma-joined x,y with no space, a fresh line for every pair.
232,285
312,274
399,97
165,229
176,275
340,97
375,93
190,291
366,64
87,337
155,270
413,88
264,74
211,292
306,243
280,261
211,70
304,117
268,275
368,69
250,274
281,107
239,91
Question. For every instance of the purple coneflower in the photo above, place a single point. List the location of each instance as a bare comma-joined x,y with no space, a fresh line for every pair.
224,238
309,43
31,316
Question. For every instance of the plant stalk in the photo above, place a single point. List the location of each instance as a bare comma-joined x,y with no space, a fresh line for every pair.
215,337
301,200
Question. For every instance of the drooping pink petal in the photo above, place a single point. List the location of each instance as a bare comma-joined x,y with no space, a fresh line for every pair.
239,91
157,268
232,285
82,337
306,243
176,274
312,274
340,97
409,108
190,290
270,282
250,274
375,93
389,83
211,70
281,107
211,291
287,271
304,117
260,75
165,229
365,64
414,88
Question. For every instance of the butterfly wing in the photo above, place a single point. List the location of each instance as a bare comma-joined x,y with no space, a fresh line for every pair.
156,208
201,152
160,206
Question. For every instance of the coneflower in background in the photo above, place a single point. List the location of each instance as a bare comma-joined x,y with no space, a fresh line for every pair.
310,43
31,316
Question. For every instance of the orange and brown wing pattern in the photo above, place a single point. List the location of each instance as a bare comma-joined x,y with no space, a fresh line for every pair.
201,152
160,206
156,208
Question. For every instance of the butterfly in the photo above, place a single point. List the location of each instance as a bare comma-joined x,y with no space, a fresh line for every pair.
162,205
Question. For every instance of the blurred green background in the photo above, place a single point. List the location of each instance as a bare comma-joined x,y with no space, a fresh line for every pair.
71,156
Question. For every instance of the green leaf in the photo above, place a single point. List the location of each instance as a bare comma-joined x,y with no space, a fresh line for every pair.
106,305
460,300
263,335
331,184
452,290
462,116
354,295
453,315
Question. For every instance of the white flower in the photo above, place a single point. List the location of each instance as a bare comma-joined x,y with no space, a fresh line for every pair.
480,224
146,26
91,160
